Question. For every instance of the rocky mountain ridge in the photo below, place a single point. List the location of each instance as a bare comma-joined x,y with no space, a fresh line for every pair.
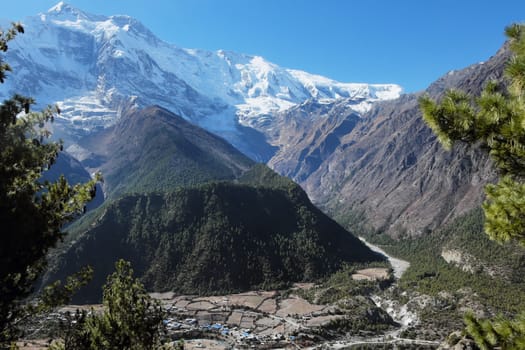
387,166
195,215
97,67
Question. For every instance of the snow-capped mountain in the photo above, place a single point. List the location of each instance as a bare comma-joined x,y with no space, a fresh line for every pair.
95,67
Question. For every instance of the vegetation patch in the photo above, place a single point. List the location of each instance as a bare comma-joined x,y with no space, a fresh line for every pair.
261,232
494,286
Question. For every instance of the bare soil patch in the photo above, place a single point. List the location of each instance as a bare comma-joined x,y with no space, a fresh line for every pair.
37,344
251,300
297,306
371,274
321,320
269,306
200,305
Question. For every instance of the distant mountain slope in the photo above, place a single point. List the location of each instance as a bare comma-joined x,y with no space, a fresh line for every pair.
309,133
389,165
155,150
260,233
97,67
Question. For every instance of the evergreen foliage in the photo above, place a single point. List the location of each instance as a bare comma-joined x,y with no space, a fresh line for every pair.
495,272
261,175
131,319
340,286
488,278
32,211
496,120
501,333
215,238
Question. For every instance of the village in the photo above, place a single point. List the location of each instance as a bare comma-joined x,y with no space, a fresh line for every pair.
262,319
255,319
259,319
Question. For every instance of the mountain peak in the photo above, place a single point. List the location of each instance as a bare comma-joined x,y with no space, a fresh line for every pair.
58,7
68,12
63,8
112,63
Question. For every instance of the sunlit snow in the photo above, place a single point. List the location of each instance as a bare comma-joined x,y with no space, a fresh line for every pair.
94,67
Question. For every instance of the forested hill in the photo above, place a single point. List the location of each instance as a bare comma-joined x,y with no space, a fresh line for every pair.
261,232
154,149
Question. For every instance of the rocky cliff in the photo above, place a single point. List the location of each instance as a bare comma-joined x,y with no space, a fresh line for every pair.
387,164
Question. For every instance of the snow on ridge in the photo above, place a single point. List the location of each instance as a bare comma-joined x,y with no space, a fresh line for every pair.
58,7
64,11
101,56
349,90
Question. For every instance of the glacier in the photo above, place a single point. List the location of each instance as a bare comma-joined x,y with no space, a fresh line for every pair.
95,68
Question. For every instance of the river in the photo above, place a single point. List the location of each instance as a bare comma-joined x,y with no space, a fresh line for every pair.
399,266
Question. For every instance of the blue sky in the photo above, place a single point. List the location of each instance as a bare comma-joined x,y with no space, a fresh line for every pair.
410,42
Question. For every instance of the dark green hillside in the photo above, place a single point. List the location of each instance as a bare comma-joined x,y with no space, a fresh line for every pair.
155,150
215,238
261,175
183,232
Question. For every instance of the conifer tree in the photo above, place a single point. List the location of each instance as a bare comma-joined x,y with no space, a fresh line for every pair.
496,121
32,211
131,319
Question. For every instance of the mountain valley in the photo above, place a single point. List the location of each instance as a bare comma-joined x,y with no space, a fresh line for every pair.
386,164
219,168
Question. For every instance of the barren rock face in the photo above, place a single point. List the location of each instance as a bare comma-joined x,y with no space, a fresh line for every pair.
398,174
388,165
457,257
